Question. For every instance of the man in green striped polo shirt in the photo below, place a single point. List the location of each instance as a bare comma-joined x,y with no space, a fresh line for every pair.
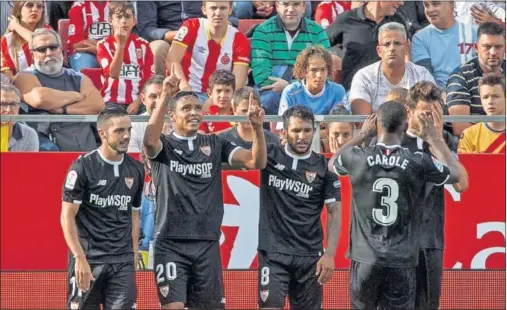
276,44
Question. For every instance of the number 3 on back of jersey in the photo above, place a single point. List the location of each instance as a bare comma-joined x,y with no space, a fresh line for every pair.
387,200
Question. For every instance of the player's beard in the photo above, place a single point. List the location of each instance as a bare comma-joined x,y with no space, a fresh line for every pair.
293,147
116,146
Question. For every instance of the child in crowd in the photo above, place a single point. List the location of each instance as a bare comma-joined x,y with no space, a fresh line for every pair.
222,84
125,58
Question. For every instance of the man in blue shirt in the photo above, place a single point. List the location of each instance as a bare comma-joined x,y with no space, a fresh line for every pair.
444,44
312,89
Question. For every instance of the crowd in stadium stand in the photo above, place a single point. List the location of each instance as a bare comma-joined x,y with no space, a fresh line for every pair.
336,57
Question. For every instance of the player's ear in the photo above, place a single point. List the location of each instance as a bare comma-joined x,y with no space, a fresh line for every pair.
209,92
171,116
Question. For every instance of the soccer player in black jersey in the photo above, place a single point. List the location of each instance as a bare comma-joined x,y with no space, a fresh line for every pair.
295,186
427,97
186,170
100,219
388,182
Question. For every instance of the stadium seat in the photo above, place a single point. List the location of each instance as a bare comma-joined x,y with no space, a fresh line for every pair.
63,31
245,24
95,74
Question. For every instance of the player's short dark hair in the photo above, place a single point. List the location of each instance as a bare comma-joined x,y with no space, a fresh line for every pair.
490,28
424,91
492,79
154,80
392,115
110,113
244,94
179,95
299,111
222,77
120,7
303,60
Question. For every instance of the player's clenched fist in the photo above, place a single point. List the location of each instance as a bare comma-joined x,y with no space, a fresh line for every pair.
171,83
255,113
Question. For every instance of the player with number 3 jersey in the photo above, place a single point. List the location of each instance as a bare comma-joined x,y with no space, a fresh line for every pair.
388,182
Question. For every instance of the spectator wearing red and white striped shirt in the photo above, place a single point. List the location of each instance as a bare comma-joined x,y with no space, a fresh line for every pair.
15,53
88,24
204,45
327,11
126,60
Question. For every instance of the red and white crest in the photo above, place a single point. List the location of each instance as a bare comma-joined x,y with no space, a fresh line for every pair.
206,150
310,176
139,53
164,290
225,59
129,181
264,295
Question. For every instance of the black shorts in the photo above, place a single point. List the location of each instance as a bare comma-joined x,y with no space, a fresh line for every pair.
378,287
189,271
114,287
280,275
429,279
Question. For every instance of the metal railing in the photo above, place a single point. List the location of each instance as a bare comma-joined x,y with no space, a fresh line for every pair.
237,118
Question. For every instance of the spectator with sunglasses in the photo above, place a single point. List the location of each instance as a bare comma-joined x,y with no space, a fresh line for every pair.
25,18
48,88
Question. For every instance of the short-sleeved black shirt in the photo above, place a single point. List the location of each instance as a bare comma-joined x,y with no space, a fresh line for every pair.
293,192
433,210
388,183
359,37
107,192
187,175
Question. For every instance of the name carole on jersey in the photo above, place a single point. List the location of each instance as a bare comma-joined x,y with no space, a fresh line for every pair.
301,189
111,200
204,169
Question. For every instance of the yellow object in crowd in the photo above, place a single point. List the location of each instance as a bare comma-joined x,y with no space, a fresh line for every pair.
4,136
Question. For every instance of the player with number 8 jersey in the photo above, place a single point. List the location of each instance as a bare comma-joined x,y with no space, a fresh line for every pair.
388,182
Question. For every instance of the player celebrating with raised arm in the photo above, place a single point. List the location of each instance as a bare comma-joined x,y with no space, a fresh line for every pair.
295,185
100,219
186,168
388,182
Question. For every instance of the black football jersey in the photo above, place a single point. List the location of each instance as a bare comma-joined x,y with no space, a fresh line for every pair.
387,185
293,192
107,192
187,175
433,209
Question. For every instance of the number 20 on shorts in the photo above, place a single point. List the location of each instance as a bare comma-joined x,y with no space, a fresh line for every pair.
170,272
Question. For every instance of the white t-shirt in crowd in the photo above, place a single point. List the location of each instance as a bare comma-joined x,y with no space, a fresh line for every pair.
371,85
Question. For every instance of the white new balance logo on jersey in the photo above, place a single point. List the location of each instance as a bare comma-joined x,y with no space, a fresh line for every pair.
280,167
179,152
102,183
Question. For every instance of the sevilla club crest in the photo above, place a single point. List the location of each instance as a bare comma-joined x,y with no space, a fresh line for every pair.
264,295
129,181
164,290
206,150
310,176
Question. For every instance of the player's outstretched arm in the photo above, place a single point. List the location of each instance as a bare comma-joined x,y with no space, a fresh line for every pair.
151,143
429,133
368,131
82,268
257,158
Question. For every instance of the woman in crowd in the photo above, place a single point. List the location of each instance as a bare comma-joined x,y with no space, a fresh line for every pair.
26,17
